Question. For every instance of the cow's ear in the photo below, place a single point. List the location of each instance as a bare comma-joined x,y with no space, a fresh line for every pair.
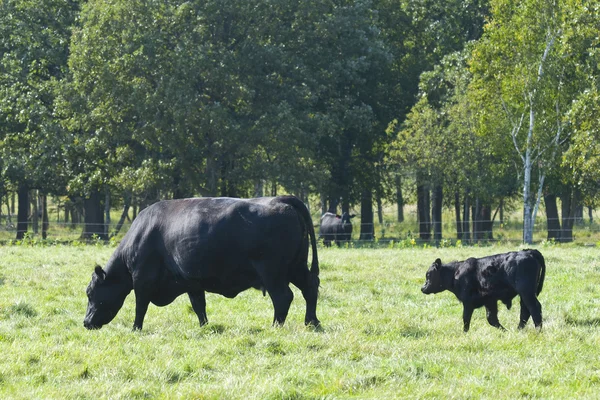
99,272
437,263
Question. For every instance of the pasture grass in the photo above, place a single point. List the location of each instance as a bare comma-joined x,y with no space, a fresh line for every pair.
381,338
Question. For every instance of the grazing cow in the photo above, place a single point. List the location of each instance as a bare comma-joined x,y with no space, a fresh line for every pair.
218,245
478,282
335,228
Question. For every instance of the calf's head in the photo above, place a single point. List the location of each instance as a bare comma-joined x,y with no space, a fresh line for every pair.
433,279
106,296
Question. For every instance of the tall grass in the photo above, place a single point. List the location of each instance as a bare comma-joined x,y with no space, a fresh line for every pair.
381,337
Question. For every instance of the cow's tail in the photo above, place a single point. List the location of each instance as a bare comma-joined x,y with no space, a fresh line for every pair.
300,207
540,259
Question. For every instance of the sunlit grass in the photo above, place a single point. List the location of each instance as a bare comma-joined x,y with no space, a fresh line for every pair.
381,338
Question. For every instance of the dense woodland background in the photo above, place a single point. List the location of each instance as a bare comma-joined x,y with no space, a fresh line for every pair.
463,109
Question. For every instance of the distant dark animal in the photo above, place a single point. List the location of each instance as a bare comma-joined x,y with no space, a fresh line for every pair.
218,245
478,282
335,228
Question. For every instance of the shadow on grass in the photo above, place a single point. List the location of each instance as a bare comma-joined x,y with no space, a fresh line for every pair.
412,332
591,322
216,328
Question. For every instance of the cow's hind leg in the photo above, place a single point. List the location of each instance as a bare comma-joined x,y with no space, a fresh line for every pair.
534,307
308,284
492,314
198,301
277,285
524,317
282,297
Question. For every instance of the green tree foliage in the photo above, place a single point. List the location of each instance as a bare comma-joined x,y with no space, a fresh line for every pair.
34,47
524,66
218,95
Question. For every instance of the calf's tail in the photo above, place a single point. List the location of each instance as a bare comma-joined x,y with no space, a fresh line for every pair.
300,207
540,259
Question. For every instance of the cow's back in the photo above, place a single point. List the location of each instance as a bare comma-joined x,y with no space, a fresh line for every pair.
202,237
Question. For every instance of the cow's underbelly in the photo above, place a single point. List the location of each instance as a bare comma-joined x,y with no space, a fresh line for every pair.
504,296
232,285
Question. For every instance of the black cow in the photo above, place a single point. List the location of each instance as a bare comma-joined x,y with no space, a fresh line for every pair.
218,245
335,228
478,282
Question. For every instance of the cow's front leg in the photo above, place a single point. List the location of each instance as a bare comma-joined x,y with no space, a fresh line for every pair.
141,307
467,314
492,315
198,301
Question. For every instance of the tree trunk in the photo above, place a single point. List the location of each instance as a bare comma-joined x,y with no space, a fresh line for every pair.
259,188
333,203
323,203
569,204
211,172
553,220
107,212
379,210
399,199
345,206
459,231
475,220
35,215
366,216
486,224
127,204
436,212
22,213
591,214
423,209
10,212
274,188
45,220
93,217
579,215
466,220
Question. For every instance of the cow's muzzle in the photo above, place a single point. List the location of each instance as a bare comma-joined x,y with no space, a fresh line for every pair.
91,326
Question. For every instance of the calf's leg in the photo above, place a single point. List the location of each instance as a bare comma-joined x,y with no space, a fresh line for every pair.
198,301
467,314
492,315
524,317
534,307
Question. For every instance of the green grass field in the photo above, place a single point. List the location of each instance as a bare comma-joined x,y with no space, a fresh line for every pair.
381,337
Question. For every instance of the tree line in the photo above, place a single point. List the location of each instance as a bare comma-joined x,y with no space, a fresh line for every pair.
469,105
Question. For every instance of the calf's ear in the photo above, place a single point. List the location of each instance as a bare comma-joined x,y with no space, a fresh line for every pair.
438,262
99,272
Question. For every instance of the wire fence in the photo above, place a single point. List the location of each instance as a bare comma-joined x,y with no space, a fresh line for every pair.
584,232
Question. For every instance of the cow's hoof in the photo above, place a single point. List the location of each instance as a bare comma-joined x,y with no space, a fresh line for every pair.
315,324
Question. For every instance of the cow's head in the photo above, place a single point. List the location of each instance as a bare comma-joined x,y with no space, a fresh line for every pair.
346,223
106,296
433,278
